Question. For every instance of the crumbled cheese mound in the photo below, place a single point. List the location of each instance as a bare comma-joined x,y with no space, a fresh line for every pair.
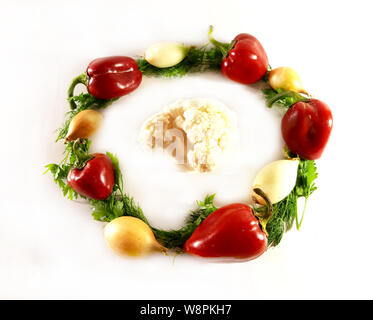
195,131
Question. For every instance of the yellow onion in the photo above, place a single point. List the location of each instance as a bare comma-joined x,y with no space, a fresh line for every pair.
277,179
165,54
83,125
131,236
286,79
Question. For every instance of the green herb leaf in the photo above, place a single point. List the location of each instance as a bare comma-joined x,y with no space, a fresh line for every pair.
305,186
285,212
118,174
114,207
307,174
59,173
108,209
282,219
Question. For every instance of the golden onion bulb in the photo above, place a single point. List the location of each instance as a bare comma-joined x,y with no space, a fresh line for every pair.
131,236
83,125
286,79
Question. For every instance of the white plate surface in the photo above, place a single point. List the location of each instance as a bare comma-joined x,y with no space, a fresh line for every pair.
52,248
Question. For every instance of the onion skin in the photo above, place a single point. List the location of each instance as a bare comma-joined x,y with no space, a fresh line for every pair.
130,236
285,79
277,179
83,125
165,54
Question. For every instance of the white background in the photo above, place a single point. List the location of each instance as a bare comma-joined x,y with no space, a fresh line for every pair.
52,248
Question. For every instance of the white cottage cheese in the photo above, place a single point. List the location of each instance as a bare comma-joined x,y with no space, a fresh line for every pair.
196,132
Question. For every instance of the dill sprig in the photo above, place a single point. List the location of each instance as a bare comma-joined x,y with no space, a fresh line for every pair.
197,60
282,219
175,239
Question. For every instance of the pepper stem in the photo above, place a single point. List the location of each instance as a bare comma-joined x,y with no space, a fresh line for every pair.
70,92
223,47
293,96
82,156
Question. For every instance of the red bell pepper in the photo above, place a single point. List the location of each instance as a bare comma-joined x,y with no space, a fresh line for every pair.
95,180
231,231
108,78
244,59
306,128
113,77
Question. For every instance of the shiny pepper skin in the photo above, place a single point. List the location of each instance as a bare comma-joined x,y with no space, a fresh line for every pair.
95,180
306,128
231,231
246,62
113,77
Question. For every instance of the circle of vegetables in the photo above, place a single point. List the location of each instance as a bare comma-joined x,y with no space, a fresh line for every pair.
283,214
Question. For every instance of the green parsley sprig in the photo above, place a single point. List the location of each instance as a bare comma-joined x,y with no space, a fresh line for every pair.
61,170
